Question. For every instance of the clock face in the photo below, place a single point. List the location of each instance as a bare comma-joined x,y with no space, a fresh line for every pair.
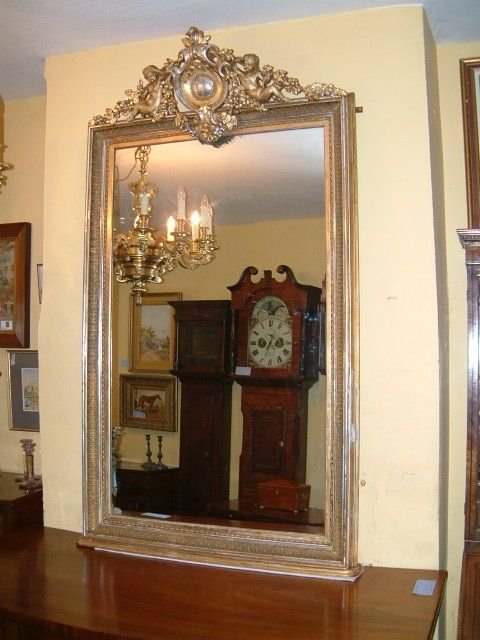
269,306
270,342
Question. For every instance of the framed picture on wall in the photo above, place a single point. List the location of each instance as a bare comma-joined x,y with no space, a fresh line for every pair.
22,392
15,284
470,74
152,333
148,402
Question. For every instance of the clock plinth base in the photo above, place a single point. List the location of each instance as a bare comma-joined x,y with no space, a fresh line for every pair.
274,443
312,519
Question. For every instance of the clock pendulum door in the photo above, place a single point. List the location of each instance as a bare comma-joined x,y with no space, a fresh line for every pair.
274,436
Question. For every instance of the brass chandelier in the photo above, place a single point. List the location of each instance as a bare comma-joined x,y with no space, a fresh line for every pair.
142,255
4,166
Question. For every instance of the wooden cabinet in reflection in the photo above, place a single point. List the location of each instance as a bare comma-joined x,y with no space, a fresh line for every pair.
202,365
139,489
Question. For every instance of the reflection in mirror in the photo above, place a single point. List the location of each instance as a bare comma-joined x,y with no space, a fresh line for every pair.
268,196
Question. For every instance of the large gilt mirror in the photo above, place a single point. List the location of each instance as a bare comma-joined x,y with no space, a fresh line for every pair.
270,166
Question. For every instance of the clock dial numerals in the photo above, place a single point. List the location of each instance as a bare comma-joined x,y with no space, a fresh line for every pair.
270,342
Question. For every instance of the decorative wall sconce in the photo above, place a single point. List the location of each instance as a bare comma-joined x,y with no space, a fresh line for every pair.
4,166
141,257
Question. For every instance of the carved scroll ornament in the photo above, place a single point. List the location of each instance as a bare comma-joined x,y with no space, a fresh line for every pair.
213,85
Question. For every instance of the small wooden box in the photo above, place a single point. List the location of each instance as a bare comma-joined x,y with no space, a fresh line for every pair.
284,495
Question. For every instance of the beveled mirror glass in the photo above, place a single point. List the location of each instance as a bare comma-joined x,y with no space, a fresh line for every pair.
280,174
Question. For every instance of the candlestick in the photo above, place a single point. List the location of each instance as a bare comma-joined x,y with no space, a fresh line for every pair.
181,204
144,202
170,228
160,464
210,217
29,480
204,212
149,464
195,222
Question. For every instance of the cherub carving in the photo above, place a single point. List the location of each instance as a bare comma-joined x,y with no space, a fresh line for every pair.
256,81
151,94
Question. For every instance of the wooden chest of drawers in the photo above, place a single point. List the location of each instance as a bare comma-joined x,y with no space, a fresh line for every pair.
143,490
284,495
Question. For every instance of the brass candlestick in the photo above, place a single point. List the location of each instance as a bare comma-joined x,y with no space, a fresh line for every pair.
149,464
160,464
29,480
116,433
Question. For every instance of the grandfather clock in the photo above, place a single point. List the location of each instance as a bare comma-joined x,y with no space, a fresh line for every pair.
276,331
202,365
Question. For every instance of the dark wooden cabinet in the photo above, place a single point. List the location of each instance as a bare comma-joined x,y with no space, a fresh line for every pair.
202,365
469,612
140,489
18,507
204,443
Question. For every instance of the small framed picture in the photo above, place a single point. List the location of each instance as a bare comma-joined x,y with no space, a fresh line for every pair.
15,287
152,333
22,381
147,402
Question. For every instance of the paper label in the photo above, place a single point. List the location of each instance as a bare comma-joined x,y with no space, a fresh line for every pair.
243,371
424,587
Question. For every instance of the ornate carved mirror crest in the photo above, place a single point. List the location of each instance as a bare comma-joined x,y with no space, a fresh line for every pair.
284,133
213,85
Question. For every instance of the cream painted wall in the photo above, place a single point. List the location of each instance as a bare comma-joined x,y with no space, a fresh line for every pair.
378,54
21,200
455,218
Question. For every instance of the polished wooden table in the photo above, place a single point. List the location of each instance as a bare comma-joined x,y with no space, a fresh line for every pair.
51,589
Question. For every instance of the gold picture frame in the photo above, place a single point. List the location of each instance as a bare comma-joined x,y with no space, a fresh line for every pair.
15,292
148,402
470,76
152,333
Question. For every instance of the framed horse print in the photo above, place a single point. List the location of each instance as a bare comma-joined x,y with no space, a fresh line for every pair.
148,402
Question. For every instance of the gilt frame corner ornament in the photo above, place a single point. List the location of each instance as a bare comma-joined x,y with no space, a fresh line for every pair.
214,85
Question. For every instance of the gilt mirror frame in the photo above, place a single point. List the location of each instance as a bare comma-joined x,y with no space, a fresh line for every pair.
231,109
